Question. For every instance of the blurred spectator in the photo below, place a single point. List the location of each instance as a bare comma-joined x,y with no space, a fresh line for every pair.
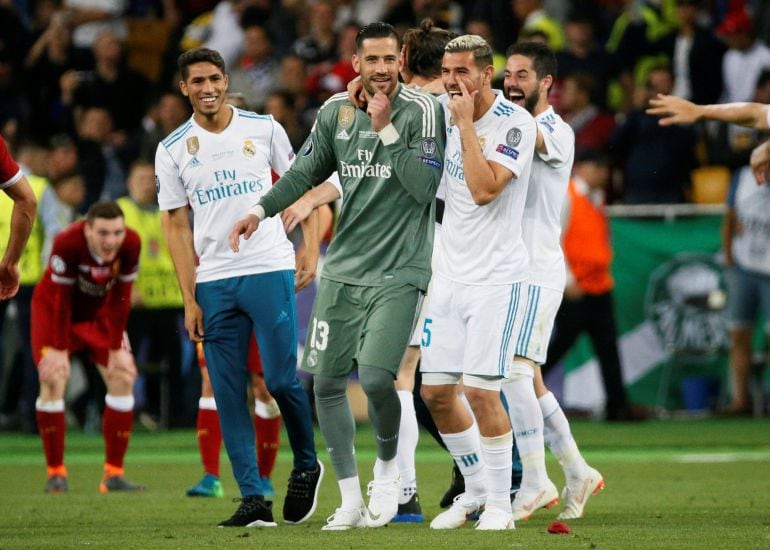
746,244
63,157
588,304
592,126
59,207
637,42
13,109
500,16
696,54
89,18
745,59
534,18
483,28
225,33
582,54
99,160
14,36
319,43
112,85
293,78
656,160
280,104
167,114
48,59
255,73
334,79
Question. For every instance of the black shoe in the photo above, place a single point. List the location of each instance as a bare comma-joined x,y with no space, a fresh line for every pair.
457,487
56,484
409,512
254,511
302,494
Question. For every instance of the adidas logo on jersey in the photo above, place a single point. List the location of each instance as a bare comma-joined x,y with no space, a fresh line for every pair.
343,134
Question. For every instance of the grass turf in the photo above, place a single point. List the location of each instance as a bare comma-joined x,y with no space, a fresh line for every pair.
670,484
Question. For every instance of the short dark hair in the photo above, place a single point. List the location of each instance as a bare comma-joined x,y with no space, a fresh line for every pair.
482,51
108,210
199,55
425,47
378,29
543,58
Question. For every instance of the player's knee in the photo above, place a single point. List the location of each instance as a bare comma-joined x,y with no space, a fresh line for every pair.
377,383
438,398
328,389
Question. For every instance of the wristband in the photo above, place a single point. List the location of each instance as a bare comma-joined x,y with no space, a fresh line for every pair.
258,211
389,134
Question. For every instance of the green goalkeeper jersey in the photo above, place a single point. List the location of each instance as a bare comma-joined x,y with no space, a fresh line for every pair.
389,180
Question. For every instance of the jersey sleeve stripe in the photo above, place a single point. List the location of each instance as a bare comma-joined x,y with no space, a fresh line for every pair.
428,113
62,280
129,277
16,177
177,135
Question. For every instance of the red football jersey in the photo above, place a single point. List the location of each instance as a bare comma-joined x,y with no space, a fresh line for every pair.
10,172
76,287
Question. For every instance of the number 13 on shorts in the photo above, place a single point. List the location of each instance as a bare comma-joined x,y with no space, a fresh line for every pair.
319,336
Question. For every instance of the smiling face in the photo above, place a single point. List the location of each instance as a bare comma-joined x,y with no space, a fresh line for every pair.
206,87
459,67
521,84
377,63
105,236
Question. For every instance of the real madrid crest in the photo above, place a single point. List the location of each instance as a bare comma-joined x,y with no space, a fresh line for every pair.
193,145
482,142
248,148
346,116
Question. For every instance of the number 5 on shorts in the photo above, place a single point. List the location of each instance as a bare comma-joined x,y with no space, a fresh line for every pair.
319,337
425,342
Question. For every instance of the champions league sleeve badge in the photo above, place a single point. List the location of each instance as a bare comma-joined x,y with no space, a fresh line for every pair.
307,150
513,137
428,147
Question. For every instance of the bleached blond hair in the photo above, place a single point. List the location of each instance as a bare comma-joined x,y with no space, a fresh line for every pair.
482,51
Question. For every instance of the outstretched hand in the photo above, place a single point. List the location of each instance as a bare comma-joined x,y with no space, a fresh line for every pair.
246,227
673,110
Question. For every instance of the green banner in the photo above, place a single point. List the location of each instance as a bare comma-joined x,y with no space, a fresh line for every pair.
669,299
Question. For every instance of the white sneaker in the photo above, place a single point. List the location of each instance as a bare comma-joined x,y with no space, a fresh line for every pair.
494,519
577,493
529,500
344,520
383,501
457,514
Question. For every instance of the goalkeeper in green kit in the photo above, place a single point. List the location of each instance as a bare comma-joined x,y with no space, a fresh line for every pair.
389,158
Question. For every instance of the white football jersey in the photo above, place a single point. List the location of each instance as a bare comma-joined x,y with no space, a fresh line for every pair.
751,202
220,176
545,198
483,245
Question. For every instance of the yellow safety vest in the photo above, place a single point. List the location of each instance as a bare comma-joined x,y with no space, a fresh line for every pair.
30,264
156,282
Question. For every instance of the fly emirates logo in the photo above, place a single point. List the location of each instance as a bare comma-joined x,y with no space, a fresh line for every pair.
364,168
227,185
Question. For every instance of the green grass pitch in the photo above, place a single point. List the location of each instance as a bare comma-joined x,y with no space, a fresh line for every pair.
670,484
